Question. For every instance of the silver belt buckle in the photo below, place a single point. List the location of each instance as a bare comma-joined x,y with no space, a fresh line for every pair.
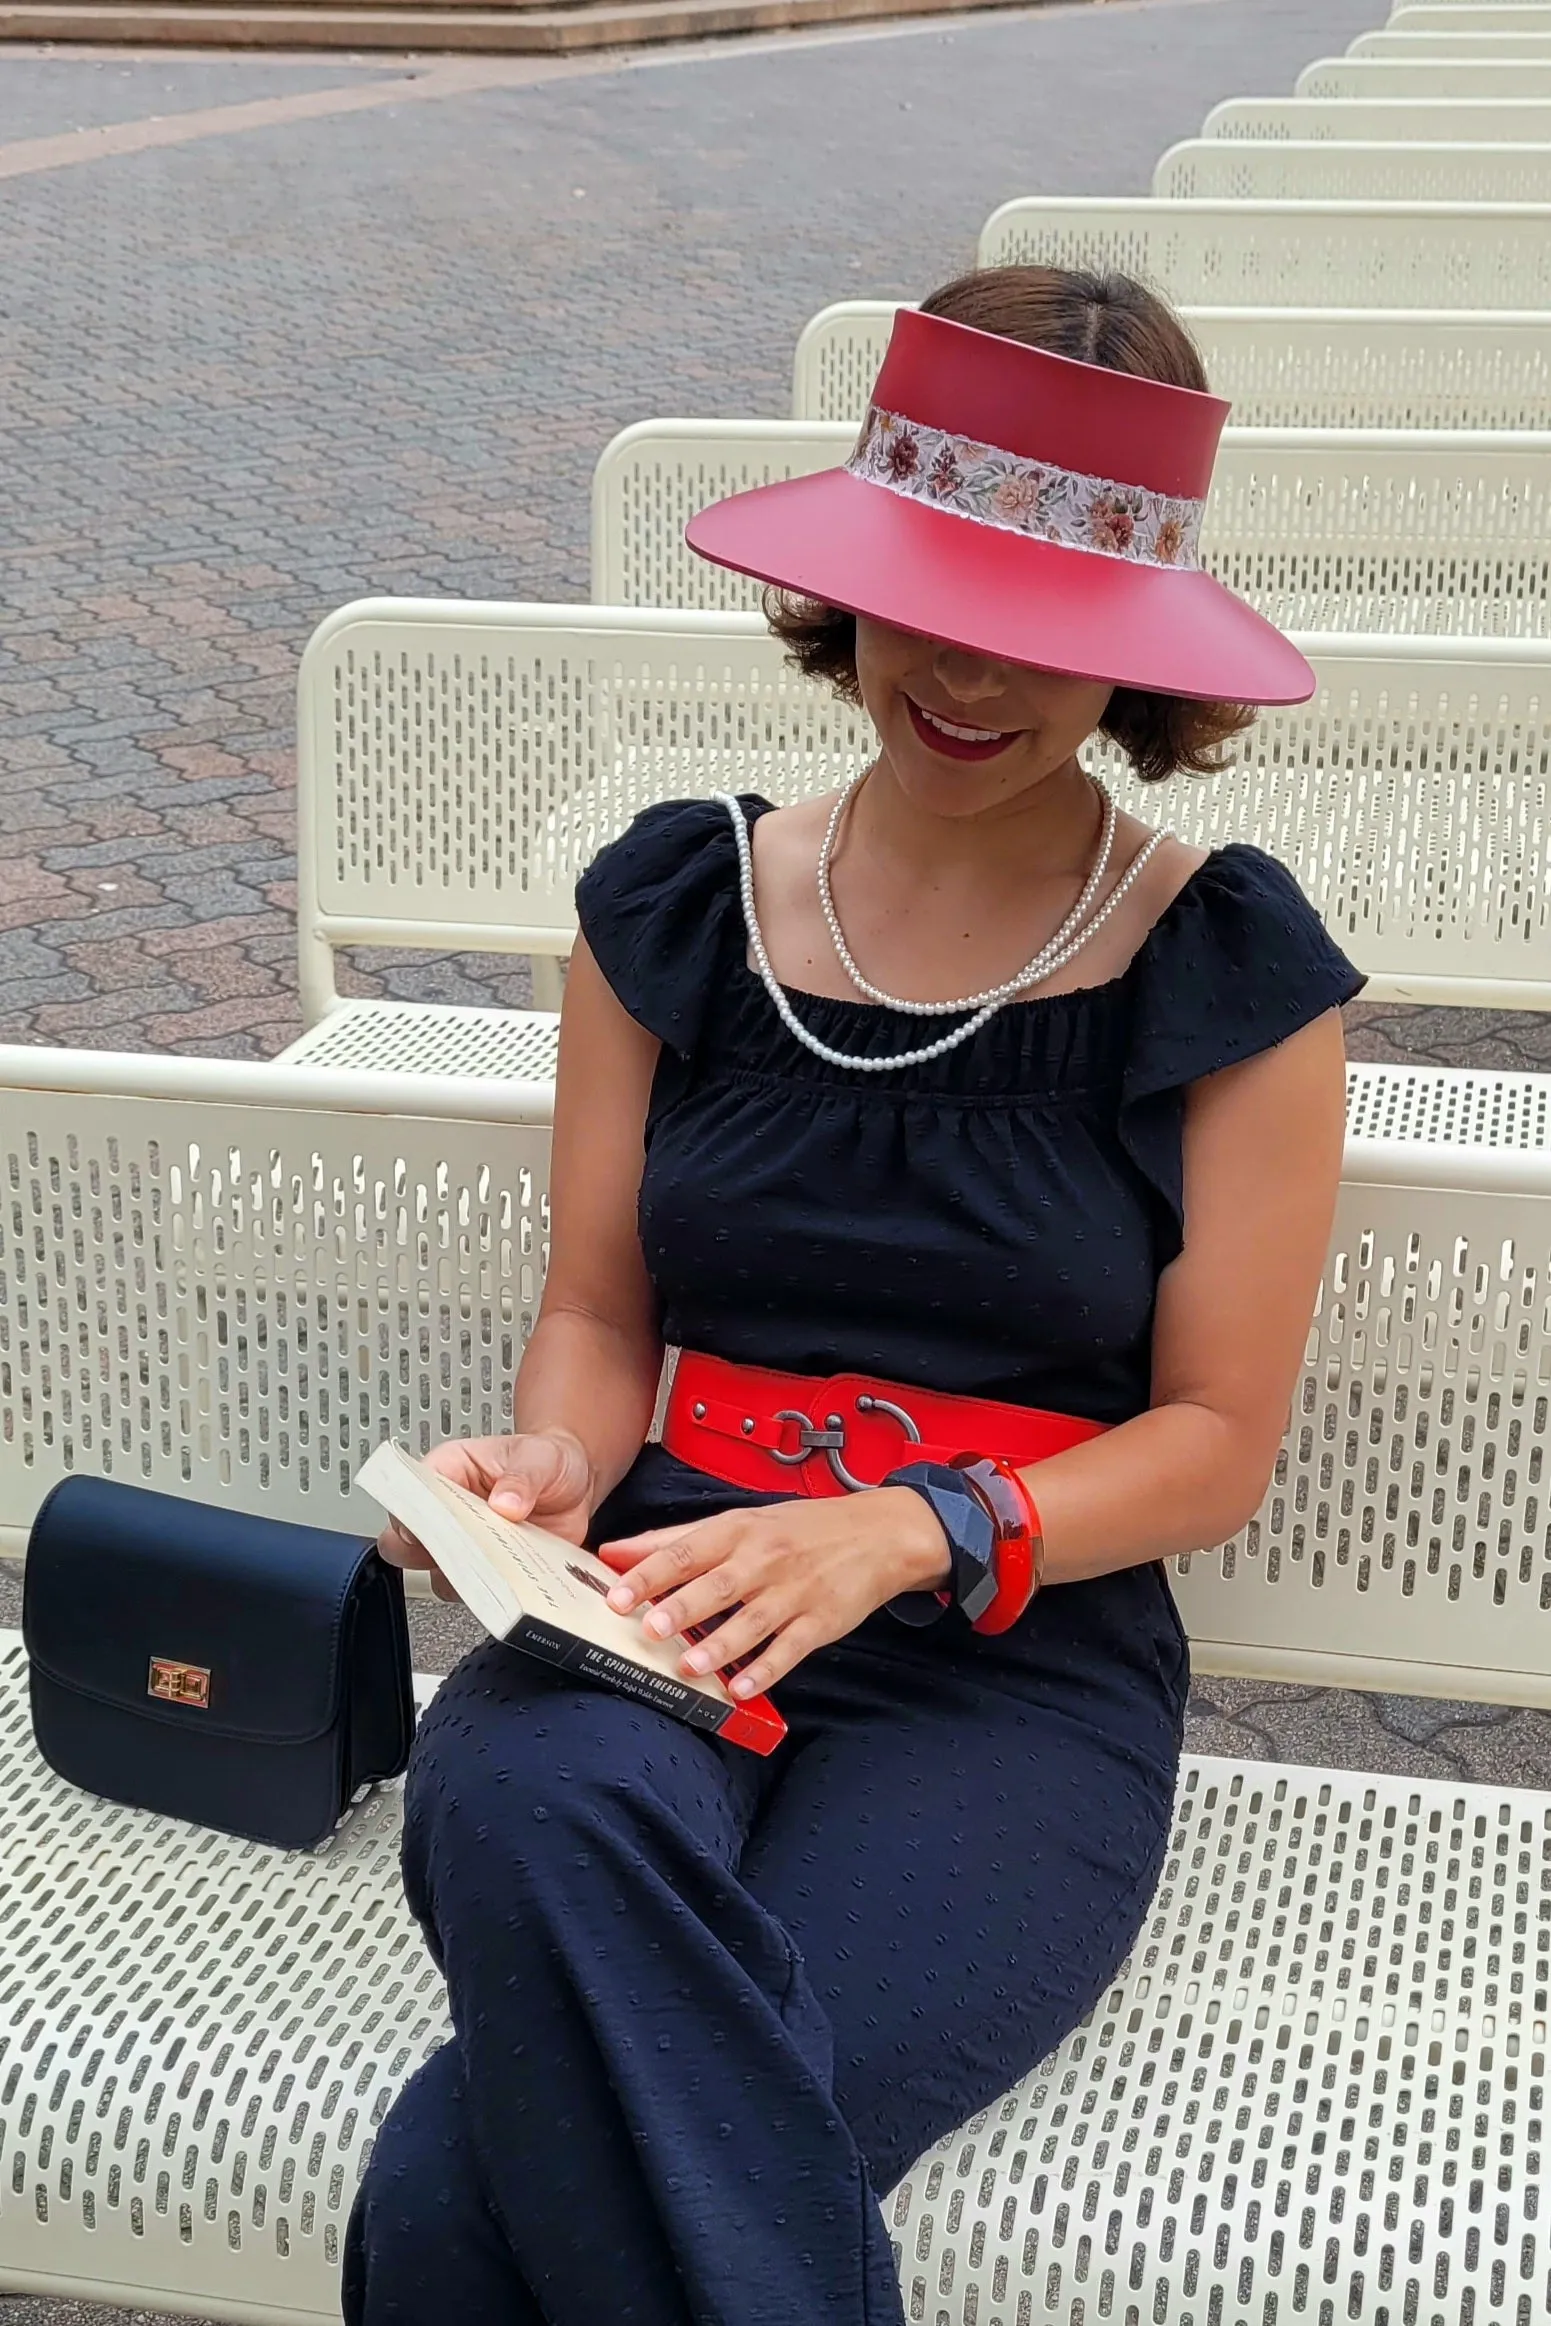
830,1441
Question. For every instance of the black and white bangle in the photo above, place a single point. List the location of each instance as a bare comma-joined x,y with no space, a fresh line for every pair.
971,1535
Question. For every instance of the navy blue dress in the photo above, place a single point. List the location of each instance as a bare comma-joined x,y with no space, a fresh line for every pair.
707,2007
993,1222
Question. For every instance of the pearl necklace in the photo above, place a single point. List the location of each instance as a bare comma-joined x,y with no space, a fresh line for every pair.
1049,956
1059,948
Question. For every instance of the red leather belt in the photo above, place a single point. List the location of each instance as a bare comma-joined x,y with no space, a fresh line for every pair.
787,1433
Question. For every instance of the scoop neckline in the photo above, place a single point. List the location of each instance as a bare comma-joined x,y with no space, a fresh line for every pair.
1036,1001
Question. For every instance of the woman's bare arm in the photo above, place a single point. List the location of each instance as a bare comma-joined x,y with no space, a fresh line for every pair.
1262,1162
591,1365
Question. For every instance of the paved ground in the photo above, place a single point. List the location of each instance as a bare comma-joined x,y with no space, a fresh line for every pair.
247,377
43,95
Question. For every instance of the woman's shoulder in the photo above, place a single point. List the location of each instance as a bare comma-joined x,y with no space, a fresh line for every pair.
654,907
670,840
1237,962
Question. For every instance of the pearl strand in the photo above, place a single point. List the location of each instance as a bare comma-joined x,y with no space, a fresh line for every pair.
1044,960
938,1049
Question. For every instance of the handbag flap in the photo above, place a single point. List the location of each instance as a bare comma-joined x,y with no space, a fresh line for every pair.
226,1623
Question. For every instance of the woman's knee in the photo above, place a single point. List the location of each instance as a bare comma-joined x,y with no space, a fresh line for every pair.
515,1763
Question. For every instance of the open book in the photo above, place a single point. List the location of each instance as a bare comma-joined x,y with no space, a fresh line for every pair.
551,1599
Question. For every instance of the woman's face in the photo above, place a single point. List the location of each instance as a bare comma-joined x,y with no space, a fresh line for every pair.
963,734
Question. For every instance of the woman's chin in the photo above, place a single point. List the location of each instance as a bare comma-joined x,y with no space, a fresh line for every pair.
945,787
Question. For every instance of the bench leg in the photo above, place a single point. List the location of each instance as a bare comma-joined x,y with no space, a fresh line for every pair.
548,980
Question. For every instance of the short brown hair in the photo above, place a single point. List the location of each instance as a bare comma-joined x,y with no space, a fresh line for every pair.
1106,319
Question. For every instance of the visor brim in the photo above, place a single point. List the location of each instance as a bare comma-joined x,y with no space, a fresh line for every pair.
841,541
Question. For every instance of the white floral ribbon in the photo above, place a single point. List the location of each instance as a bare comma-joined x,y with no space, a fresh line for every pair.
1018,495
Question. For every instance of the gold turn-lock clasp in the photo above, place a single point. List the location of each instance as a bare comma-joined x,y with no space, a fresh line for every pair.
172,1682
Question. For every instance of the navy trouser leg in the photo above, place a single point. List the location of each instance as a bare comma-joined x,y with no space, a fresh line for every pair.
422,2241
646,2071
963,1872
707,2006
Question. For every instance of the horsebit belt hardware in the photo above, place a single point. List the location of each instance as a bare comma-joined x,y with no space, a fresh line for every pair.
759,1429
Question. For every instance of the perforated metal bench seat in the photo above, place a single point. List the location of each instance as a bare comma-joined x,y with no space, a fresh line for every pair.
496,1045
1444,1106
1316,2091
198,2037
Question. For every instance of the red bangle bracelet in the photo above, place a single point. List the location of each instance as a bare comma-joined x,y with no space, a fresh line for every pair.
1020,1543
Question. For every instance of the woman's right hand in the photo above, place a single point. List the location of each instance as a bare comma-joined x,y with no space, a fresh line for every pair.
544,1475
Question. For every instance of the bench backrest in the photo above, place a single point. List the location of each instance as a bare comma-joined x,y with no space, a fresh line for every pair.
1295,254
461,763
1426,77
1533,41
837,358
229,1281
1412,799
1403,1544
1281,367
1383,120
1233,170
1324,531
1468,15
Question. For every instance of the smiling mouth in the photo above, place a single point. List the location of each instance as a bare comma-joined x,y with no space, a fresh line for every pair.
957,741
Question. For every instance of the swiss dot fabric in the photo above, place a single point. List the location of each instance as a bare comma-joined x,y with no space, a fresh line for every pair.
992,1222
709,2008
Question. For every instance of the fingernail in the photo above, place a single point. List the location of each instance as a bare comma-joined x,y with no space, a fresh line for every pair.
742,1686
659,1625
697,1661
622,1598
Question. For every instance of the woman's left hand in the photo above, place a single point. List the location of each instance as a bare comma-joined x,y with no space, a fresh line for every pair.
799,1574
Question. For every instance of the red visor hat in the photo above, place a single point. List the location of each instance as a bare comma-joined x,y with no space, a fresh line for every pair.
1025,507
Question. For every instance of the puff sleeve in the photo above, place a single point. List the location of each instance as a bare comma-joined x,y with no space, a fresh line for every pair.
1240,962
656,907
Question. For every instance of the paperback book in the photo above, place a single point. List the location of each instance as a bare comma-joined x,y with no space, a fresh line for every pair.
550,1599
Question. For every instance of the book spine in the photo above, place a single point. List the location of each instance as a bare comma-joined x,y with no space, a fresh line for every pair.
579,1655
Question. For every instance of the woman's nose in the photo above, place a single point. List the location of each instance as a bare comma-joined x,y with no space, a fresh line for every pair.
969,678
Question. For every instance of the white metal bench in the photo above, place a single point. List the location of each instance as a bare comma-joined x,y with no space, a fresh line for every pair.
460,764
1467,15
1395,531
379,1239
1301,254
1279,170
1328,2042
1383,120
229,1281
1428,78
1456,47
1281,367
1470,16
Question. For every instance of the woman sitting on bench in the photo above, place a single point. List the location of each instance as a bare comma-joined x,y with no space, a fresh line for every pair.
963,1141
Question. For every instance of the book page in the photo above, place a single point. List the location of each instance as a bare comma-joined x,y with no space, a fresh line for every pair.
542,1576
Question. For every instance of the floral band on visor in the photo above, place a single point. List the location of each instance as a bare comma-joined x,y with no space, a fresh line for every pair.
1018,495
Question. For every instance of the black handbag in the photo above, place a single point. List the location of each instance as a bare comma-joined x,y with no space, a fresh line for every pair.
237,1671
